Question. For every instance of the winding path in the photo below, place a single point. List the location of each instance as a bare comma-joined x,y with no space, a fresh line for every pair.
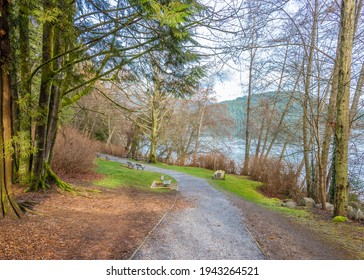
211,228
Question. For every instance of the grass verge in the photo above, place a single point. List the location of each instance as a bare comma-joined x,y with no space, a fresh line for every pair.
119,175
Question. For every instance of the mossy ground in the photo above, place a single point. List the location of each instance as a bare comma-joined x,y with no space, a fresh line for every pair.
339,219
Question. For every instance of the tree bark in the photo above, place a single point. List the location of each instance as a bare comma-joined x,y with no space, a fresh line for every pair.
347,23
155,112
8,206
284,148
39,169
58,86
24,132
199,130
153,145
306,118
257,150
52,124
245,170
330,119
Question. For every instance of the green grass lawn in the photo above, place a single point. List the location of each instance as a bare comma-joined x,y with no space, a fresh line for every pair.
119,175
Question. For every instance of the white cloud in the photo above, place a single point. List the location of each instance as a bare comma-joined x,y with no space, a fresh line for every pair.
231,87
228,90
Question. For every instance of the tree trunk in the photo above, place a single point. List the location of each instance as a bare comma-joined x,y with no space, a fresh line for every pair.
330,119
199,132
13,70
153,148
257,150
154,120
8,206
358,93
24,132
53,119
284,148
330,181
306,149
57,87
306,118
245,170
347,23
39,168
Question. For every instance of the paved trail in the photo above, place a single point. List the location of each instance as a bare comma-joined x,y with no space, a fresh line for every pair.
210,229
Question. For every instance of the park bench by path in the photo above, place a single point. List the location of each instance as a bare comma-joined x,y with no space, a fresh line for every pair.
166,183
130,164
135,165
140,166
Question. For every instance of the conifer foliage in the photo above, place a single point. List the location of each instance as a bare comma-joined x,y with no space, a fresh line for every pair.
53,53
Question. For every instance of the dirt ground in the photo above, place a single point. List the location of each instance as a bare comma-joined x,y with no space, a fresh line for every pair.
284,238
108,225
112,224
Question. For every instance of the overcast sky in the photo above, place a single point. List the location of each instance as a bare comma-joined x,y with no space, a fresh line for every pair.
229,89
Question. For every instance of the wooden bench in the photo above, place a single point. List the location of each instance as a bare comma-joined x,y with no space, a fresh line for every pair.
140,166
166,183
130,164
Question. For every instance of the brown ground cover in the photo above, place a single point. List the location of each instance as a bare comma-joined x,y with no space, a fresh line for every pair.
108,225
286,238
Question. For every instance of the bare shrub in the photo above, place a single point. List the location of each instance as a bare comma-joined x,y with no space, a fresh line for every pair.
111,149
73,152
279,179
216,161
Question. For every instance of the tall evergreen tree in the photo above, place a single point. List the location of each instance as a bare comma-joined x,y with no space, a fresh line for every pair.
8,205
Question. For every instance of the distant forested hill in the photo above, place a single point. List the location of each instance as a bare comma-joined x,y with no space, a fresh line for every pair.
267,105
